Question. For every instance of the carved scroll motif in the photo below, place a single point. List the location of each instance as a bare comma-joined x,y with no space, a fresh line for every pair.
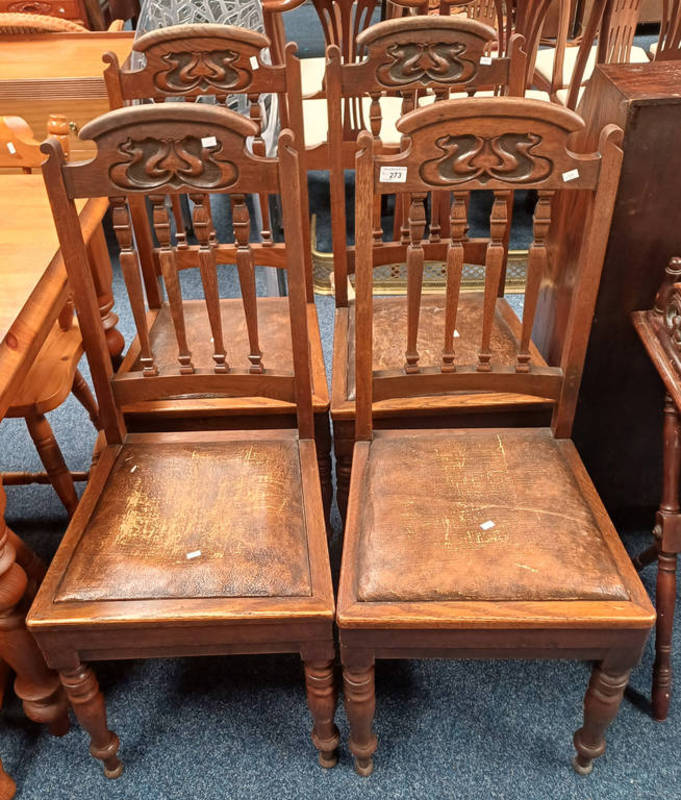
149,164
510,157
426,62
215,70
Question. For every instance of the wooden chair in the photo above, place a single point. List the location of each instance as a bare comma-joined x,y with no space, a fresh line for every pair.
490,542
659,331
54,374
563,70
668,46
382,71
196,542
226,61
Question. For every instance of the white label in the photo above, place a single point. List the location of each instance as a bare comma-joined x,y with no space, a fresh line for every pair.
457,335
486,526
393,175
193,554
209,141
11,147
134,468
571,175
487,60
254,62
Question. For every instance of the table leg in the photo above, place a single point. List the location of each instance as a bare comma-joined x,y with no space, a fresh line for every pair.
101,272
38,687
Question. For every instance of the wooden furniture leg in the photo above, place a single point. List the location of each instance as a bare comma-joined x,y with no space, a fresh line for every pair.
7,785
602,700
360,707
36,685
101,271
53,460
85,397
669,543
87,701
322,696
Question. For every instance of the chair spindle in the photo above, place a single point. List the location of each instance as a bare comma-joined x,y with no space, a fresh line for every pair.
417,225
244,262
494,262
458,223
167,260
131,274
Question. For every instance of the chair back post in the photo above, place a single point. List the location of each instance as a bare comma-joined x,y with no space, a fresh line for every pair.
364,192
495,144
591,258
74,253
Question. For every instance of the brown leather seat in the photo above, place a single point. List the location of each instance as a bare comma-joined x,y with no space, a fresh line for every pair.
490,514
195,519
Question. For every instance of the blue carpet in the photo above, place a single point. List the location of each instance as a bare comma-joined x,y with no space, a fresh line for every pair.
238,727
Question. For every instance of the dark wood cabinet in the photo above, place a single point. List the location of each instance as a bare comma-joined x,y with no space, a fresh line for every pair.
619,415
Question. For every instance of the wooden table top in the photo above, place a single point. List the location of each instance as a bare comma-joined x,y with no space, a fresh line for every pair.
60,55
32,273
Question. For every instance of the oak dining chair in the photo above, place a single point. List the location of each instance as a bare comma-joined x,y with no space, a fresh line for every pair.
221,62
54,374
484,542
200,542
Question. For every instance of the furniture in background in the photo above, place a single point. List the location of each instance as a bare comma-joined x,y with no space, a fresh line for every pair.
47,73
199,542
660,332
489,542
248,75
618,377
563,70
54,374
386,67
668,46
52,15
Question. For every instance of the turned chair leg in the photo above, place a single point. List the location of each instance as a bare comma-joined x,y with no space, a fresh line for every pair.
82,393
87,701
602,700
665,602
322,696
53,460
360,706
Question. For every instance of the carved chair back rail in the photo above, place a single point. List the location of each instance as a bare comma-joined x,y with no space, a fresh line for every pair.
496,144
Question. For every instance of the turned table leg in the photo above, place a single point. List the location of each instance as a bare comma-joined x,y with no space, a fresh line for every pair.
322,696
37,686
103,277
602,700
360,706
669,544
